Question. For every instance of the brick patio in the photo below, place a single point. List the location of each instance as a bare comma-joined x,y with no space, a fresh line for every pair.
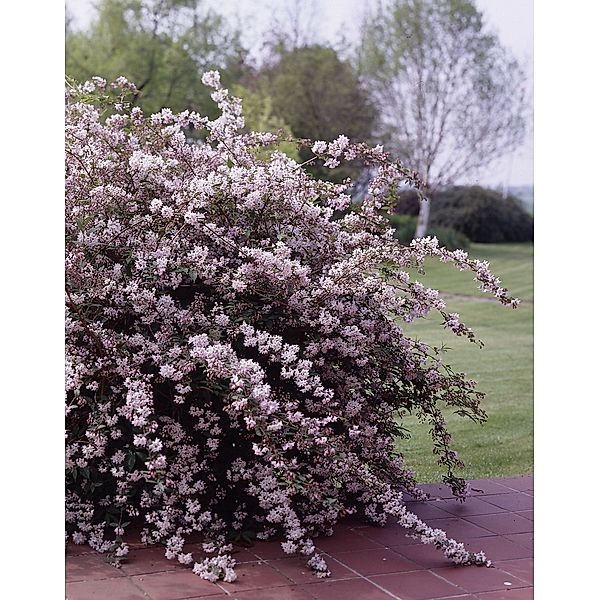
366,563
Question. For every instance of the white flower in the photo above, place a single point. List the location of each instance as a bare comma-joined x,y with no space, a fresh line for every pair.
319,147
211,79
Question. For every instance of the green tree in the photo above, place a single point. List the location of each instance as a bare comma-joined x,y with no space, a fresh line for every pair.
320,97
163,46
451,98
258,116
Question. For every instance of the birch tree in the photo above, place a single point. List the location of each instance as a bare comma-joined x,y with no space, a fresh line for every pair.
451,98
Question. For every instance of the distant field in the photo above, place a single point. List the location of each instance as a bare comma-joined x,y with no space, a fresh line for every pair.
503,368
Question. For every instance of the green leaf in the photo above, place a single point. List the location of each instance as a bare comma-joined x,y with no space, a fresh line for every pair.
130,461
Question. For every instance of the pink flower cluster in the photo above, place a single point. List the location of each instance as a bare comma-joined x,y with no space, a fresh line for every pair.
235,354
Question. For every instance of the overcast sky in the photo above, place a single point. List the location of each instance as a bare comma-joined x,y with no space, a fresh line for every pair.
511,19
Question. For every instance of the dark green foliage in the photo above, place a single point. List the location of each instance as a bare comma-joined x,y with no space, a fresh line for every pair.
404,226
480,214
320,97
450,238
407,203
405,230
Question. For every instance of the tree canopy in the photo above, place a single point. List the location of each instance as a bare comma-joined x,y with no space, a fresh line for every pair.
320,97
318,94
258,116
162,45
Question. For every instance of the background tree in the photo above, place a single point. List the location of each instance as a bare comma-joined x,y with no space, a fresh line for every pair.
161,45
451,98
320,97
258,116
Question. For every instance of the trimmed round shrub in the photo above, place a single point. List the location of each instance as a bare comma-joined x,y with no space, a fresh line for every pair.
236,364
479,214
482,215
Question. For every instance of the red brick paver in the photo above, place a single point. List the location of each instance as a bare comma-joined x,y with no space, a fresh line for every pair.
366,563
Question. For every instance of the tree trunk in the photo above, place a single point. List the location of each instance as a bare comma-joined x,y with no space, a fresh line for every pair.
423,220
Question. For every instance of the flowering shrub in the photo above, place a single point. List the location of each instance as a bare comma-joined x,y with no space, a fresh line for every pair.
235,355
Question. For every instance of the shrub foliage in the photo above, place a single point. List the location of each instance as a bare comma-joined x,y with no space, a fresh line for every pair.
405,226
235,356
480,214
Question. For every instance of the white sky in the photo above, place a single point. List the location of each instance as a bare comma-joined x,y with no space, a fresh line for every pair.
512,20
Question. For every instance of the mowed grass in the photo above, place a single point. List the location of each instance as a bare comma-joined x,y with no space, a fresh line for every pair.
503,446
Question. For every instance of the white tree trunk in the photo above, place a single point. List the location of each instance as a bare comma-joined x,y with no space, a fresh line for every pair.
423,220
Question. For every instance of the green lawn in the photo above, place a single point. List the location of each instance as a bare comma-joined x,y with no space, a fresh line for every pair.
503,446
